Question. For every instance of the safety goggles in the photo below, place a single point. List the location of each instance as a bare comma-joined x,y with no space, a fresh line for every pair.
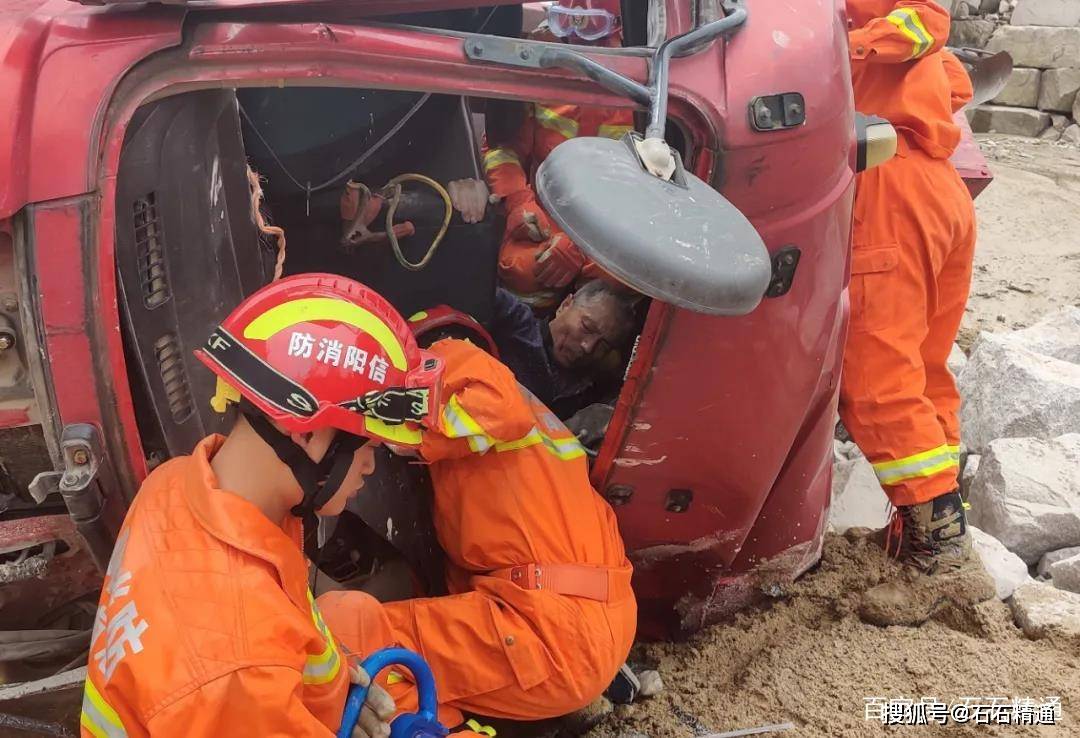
585,23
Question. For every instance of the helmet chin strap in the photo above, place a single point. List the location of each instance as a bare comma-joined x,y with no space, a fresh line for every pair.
319,480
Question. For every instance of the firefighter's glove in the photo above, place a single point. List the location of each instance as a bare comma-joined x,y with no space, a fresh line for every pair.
559,263
470,198
590,424
528,222
378,708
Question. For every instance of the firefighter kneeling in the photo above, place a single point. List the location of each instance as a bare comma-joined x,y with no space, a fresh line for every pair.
207,626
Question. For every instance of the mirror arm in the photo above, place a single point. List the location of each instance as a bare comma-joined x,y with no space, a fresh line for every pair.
613,81
680,46
522,53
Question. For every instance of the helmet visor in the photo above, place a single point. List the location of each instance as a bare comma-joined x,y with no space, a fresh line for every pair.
587,24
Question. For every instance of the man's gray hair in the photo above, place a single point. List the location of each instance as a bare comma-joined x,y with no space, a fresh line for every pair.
623,303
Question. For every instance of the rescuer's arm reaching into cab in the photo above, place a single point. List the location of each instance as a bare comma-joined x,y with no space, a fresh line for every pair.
910,30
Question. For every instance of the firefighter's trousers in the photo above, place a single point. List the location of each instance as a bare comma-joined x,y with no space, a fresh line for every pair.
913,243
497,651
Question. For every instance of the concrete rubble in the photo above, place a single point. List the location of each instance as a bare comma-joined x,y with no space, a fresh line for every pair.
1056,335
1012,120
1023,383
1051,558
1037,46
1065,574
1043,38
1027,494
1057,89
971,468
973,33
857,499
957,360
1006,568
1046,13
1022,89
1043,611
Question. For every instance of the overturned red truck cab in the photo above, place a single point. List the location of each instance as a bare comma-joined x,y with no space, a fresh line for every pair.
127,231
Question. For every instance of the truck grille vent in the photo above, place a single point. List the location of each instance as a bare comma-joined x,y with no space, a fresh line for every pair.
170,358
150,249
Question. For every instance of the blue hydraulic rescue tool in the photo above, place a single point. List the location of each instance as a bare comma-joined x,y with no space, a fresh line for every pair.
424,723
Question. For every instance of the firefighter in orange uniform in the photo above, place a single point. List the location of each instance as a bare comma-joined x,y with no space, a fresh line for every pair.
913,243
207,626
537,261
540,614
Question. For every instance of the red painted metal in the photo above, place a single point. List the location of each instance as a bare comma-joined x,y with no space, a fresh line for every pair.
737,410
69,576
969,160
14,417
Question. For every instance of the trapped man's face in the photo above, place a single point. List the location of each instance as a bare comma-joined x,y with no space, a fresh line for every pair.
583,331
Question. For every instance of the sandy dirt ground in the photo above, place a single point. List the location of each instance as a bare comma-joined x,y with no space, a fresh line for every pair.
808,659
1027,260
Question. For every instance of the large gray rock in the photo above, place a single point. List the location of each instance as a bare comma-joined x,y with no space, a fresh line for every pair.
1056,335
1053,557
1011,120
1006,568
957,360
1058,89
971,468
1027,494
1047,13
1065,574
1072,133
1022,89
1042,611
857,499
1010,391
972,33
1038,46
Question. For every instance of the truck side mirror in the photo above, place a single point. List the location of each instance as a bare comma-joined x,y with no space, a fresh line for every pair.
675,239
875,141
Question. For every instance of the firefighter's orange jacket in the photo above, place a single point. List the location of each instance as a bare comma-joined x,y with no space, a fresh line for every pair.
897,73
206,625
510,168
511,493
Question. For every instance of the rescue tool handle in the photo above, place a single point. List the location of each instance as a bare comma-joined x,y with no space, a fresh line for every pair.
424,722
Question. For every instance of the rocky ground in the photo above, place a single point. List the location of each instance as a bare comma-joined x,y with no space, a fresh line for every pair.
808,659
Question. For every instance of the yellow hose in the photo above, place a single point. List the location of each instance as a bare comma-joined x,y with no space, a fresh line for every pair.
395,183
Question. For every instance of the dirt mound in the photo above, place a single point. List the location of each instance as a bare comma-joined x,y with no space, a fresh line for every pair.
809,660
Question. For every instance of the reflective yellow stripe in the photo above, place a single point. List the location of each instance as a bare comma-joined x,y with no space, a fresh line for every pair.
459,424
311,309
417,317
98,716
498,157
403,433
476,727
564,448
909,23
324,667
924,464
610,131
548,118
954,451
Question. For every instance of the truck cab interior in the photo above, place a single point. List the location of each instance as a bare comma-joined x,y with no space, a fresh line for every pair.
220,190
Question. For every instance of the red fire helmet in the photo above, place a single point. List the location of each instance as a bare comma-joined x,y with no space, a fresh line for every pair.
319,350
444,319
